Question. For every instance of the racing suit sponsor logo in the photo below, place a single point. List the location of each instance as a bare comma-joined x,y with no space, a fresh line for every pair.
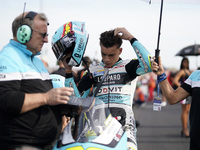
119,135
105,97
55,79
2,76
108,83
115,98
142,60
112,77
117,79
3,67
99,72
29,75
110,90
80,45
78,51
119,66
67,28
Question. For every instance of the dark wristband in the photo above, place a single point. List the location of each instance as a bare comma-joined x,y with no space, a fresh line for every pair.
161,77
133,40
68,75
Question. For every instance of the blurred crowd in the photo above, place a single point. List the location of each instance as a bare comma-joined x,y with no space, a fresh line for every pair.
146,88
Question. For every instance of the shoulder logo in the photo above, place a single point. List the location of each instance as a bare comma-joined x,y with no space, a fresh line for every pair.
3,67
2,76
99,72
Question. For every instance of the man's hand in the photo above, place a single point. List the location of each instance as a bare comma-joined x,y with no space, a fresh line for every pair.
58,96
123,33
67,67
54,96
157,69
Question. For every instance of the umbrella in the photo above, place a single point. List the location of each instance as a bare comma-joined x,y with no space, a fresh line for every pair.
192,50
175,1
157,51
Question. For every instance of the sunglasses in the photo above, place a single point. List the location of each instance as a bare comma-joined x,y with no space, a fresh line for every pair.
42,34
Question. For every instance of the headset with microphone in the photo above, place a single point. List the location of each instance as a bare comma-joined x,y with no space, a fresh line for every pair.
24,32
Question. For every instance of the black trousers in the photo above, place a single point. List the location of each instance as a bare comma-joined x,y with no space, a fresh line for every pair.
194,143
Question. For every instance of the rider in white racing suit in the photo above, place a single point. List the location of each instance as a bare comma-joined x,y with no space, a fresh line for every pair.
118,87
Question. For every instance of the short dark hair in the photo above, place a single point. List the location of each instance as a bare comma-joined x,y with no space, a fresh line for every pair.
107,39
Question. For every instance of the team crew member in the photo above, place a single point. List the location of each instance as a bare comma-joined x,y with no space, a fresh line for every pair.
27,112
190,87
119,85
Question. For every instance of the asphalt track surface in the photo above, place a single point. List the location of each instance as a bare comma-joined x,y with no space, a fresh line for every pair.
160,130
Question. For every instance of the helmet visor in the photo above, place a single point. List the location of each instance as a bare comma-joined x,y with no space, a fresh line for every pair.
64,45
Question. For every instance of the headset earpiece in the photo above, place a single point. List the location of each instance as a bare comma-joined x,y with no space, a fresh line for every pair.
24,34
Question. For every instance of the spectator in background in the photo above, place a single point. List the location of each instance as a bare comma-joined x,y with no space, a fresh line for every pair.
170,78
139,97
180,77
151,87
144,85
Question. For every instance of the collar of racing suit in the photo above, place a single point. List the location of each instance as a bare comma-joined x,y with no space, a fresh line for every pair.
103,64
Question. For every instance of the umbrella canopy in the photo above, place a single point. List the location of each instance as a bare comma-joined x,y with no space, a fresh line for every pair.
175,1
192,50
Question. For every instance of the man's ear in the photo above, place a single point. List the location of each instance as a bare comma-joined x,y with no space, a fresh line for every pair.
120,50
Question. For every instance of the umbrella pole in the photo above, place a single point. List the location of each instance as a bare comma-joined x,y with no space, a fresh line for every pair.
157,51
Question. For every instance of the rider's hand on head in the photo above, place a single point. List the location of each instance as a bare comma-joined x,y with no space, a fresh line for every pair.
123,33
